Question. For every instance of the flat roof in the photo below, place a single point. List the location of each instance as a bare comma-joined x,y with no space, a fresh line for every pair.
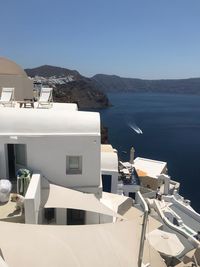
53,121
150,167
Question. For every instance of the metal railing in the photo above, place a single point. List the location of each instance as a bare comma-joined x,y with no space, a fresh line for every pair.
144,205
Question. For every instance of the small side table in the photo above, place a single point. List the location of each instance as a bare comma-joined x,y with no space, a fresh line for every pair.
26,103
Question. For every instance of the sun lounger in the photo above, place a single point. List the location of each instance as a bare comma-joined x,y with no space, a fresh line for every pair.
46,98
7,97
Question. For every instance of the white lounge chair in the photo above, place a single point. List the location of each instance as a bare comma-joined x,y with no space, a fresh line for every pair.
46,98
7,97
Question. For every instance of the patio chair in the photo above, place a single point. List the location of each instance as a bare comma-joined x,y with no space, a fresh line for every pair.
46,99
7,97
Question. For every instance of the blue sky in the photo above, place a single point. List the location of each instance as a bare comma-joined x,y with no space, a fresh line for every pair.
131,38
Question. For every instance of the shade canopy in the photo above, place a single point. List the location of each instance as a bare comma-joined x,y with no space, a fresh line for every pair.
62,197
165,242
100,245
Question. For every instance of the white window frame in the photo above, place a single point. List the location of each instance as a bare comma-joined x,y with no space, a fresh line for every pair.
73,169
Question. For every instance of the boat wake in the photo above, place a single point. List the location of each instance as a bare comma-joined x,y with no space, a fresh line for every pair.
135,128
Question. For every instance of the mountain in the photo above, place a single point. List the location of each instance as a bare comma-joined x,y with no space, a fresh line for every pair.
109,83
69,86
50,71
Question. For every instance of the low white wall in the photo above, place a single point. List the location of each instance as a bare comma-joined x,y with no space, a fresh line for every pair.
32,200
130,189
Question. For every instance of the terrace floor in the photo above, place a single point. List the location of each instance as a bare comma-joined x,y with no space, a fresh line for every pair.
9,213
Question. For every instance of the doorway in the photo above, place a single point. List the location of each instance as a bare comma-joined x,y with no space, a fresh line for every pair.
16,159
75,217
106,181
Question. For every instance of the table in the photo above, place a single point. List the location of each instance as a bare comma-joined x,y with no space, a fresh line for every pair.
26,103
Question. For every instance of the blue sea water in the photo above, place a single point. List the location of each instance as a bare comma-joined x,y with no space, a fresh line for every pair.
171,132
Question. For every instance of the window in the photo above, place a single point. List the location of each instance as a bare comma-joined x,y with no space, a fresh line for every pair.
74,165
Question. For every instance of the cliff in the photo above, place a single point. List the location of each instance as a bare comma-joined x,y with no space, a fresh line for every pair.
69,86
109,83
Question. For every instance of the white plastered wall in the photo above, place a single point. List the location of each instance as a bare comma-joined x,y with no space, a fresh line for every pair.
47,155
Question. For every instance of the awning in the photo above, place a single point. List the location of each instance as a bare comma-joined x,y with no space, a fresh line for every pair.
62,197
102,245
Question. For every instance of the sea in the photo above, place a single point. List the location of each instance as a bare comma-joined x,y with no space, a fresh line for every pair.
163,127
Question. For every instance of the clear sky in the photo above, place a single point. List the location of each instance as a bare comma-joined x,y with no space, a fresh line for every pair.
131,38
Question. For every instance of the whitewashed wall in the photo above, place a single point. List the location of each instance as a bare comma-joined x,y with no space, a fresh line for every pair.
47,155
32,200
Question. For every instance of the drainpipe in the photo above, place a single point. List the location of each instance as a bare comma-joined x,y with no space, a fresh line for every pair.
144,226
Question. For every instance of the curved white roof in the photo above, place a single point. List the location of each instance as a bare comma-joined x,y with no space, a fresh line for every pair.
109,159
31,122
9,67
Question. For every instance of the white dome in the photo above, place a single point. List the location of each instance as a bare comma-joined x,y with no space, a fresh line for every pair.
8,67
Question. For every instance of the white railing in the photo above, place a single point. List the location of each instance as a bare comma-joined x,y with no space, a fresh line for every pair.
140,200
179,229
179,201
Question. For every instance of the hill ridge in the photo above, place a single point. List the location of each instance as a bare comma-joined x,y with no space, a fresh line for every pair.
109,83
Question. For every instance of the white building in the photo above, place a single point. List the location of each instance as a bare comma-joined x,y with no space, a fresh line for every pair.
59,144
61,147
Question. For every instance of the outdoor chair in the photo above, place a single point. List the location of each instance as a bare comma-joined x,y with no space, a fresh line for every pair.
46,99
7,97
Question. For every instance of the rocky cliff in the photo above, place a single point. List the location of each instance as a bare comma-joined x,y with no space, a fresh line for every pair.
69,86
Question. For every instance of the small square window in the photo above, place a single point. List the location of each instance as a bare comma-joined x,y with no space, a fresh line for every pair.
74,165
